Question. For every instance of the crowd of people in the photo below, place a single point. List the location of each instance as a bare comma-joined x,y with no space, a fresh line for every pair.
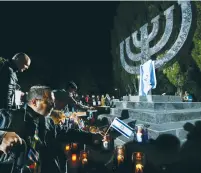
95,100
34,129
32,125
79,102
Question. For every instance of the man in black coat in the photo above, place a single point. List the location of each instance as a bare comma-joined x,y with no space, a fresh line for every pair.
8,78
36,117
71,101
64,100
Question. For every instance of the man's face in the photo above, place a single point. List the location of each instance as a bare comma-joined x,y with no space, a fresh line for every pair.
45,106
24,65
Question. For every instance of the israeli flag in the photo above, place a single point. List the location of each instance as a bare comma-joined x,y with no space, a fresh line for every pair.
122,127
147,78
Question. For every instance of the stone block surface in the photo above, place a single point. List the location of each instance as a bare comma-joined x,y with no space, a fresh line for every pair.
158,117
166,106
153,98
155,130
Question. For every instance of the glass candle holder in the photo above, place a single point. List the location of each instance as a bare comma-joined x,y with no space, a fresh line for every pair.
74,146
139,132
120,154
74,157
106,142
84,157
138,161
67,147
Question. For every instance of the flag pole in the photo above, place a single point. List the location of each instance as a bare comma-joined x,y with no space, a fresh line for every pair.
108,129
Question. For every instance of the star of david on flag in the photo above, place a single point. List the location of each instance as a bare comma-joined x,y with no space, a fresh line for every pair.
122,127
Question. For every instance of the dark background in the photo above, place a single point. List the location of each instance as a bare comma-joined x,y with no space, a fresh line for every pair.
66,41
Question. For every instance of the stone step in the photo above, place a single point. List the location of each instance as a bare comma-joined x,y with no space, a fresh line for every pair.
158,117
155,130
158,105
153,98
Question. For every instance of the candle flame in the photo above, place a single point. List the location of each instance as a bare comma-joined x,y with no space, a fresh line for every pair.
67,148
139,168
74,157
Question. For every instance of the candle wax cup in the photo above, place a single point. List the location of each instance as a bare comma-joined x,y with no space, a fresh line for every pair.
84,161
120,158
139,168
105,144
84,155
120,151
67,147
139,137
74,146
74,157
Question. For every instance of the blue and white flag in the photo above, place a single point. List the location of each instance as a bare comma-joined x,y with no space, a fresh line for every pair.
122,127
147,78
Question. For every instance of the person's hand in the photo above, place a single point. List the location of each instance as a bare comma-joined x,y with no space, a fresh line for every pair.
104,138
74,117
9,140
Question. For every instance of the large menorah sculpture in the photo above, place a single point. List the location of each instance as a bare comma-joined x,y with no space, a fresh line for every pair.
143,44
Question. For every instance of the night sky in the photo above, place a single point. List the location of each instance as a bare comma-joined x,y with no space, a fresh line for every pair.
64,39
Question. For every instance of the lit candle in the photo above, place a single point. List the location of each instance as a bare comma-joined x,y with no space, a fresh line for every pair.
74,157
74,145
139,168
84,161
105,144
83,157
120,158
120,151
67,148
139,134
120,154
138,156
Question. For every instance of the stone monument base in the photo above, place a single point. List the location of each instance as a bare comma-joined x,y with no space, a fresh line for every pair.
164,114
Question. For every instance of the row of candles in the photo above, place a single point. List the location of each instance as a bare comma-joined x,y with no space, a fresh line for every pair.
137,157
72,152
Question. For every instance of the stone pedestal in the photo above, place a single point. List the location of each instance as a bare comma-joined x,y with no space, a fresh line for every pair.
164,114
153,98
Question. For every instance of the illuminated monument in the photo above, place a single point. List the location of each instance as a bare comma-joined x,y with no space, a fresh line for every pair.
143,43
164,114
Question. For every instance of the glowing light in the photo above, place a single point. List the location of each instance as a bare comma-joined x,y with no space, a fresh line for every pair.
139,168
74,157
84,161
120,158
120,154
32,166
74,145
67,148
138,155
84,155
